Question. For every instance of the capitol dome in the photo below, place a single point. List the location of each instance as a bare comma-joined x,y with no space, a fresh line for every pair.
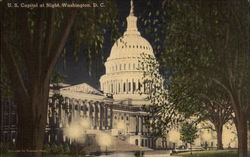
130,45
123,77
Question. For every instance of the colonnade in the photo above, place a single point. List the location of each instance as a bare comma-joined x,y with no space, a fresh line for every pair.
62,114
123,86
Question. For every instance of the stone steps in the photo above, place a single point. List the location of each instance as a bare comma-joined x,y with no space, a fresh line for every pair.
117,145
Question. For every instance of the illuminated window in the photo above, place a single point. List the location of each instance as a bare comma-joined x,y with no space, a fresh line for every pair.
136,142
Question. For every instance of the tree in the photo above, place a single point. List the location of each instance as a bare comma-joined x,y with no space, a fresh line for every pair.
168,107
56,79
218,115
183,95
188,133
218,112
203,100
209,40
162,115
32,41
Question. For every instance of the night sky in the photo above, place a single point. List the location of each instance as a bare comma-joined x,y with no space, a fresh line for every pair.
77,71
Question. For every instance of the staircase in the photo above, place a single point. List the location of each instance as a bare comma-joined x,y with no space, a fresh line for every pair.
99,142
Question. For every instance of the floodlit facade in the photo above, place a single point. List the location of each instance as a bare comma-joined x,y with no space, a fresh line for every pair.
117,108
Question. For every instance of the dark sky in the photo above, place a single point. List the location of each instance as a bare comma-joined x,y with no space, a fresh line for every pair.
77,71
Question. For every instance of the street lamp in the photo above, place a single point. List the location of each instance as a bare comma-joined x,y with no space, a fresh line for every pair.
74,132
104,140
85,123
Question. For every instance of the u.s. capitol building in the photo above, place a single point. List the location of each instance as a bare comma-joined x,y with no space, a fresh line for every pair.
116,108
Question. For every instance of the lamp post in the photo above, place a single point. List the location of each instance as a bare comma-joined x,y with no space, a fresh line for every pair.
104,140
74,132
77,129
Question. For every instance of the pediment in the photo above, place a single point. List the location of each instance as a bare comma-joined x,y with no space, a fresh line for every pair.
82,88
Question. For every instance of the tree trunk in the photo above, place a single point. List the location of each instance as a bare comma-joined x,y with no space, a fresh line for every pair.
191,148
219,130
242,134
32,118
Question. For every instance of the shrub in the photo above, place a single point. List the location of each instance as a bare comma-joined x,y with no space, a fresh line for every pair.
82,152
97,153
66,149
60,149
53,149
139,154
47,148
56,149
4,147
11,146
74,149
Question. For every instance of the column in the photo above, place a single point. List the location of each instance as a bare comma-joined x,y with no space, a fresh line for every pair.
88,111
63,113
53,112
91,115
95,116
143,87
81,109
60,115
117,86
106,116
142,120
101,116
132,86
76,107
137,125
111,86
139,86
73,108
66,118
111,117
123,86
84,110
140,126
127,86
48,110
107,87
103,86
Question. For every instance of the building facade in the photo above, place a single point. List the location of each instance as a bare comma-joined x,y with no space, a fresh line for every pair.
117,110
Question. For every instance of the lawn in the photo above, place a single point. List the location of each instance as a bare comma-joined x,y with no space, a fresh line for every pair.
218,153
45,155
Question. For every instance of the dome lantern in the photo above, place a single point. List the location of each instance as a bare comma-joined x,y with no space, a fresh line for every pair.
132,22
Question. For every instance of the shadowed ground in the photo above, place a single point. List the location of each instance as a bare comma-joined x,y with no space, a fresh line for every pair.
218,153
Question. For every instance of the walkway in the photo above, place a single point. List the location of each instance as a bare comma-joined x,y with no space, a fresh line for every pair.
157,153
